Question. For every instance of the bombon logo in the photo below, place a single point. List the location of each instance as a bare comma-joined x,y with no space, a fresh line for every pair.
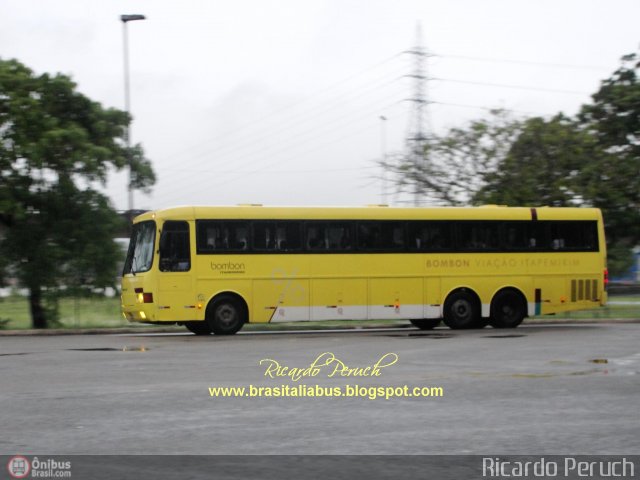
227,267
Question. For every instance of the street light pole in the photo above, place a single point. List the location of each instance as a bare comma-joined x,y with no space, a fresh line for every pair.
127,98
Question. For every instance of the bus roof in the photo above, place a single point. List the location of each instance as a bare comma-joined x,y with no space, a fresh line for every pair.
376,212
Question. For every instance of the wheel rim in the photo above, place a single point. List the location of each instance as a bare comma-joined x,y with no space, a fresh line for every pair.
461,310
226,315
509,312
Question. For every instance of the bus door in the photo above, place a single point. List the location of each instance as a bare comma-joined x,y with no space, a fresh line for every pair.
175,280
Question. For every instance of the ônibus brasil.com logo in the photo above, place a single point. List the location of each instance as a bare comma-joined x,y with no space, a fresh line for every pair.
19,466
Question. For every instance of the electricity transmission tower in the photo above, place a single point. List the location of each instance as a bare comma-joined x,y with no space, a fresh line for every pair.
418,130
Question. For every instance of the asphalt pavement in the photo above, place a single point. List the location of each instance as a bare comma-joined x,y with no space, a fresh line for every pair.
539,389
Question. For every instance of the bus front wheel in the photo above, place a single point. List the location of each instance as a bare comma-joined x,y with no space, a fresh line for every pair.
225,315
461,310
426,323
508,309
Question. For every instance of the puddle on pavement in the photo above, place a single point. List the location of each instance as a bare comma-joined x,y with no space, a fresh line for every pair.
422,335
552,374
563,374
136,348
510,335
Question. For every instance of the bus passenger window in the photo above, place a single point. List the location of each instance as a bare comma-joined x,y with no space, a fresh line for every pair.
240,238
519,235
214,236
265,236
429,236
287,236
315,238
338,237
380,236
328,236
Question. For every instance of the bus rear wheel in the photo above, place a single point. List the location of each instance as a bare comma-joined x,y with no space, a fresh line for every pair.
461,310
426,323
199,328
508,309
225,315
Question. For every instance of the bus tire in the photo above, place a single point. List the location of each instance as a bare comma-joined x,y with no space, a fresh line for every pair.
508,309
461,310
199,328
426,323
226,315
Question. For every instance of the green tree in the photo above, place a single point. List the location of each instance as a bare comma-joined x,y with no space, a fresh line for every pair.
614,183
56,146
543,165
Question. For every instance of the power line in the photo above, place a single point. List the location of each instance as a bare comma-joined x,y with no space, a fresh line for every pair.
250,172
415,51
178,183
259,151
254,151
294,103
297,119
239,176
524,62
506,85
488,109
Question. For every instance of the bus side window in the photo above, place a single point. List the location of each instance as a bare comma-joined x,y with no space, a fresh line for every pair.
381,235
314,237
174,247
576,236
240,237
519,236
262,235
215,236
328,236
288,236
477,236
429,236
338,236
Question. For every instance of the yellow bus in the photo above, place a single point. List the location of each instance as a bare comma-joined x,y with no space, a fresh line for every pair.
213,269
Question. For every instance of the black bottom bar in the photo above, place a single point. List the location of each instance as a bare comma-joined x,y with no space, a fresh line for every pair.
334,467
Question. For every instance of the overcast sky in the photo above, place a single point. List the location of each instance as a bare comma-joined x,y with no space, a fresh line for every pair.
279,102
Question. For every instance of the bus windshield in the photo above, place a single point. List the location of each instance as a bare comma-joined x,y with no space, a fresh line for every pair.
140,253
